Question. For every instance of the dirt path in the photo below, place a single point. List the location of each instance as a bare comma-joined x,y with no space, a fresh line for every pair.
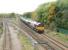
15,41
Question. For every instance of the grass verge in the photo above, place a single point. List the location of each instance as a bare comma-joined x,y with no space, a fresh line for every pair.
25,42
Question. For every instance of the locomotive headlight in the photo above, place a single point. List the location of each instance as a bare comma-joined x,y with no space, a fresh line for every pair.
40,28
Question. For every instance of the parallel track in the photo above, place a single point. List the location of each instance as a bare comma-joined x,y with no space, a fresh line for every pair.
7,45
41,39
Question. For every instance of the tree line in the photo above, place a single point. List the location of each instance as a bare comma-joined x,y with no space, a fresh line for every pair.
54,14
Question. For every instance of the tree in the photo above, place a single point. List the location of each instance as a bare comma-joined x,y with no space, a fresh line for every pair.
12,15
63,4
42,12
27,14
34,16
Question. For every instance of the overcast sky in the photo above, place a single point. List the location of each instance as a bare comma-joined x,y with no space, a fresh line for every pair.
20,6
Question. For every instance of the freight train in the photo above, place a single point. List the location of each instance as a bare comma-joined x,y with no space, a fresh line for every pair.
37,26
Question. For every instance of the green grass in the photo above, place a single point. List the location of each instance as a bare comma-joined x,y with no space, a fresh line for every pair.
62,36
25,42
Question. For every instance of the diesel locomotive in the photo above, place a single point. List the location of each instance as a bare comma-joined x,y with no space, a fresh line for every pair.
37,26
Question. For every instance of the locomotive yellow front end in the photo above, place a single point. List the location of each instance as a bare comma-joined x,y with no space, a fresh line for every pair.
40,28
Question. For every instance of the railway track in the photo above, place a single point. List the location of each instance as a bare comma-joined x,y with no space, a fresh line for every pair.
7,44
54,41
40,41
59,44
49,44
43,45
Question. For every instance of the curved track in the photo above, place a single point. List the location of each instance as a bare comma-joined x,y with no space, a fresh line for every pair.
44,45
38,38
44,36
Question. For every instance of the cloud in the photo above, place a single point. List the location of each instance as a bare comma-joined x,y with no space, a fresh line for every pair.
20,6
